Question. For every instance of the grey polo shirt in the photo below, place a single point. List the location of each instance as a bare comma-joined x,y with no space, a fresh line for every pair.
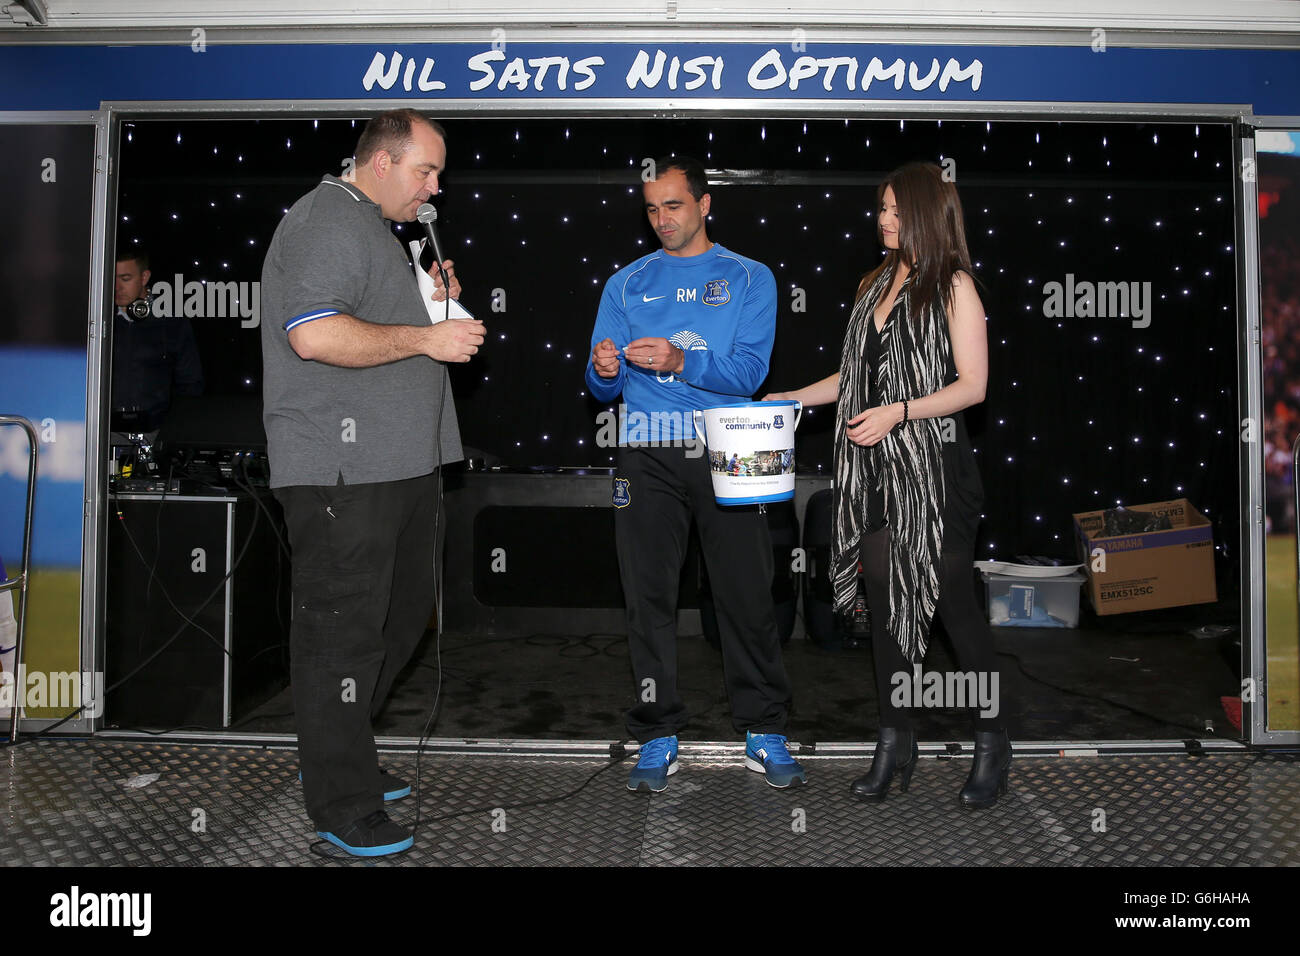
334,252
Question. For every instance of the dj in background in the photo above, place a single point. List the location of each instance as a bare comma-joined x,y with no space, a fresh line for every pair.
154,358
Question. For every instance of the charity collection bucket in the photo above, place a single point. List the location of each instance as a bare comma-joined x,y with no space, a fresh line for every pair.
751,450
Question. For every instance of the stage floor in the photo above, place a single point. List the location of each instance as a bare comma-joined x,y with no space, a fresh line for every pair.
1133,680
74,803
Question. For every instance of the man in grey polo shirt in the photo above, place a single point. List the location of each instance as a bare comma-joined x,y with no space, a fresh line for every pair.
359,415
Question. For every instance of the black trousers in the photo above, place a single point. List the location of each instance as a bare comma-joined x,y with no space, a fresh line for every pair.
665,488
956,608
364,573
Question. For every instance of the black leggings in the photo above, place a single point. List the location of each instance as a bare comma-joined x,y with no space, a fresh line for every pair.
971,638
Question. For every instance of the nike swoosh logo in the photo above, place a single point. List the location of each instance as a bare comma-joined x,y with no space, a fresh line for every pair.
646,298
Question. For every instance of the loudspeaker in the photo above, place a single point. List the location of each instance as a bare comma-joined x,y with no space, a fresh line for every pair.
215,561
533,553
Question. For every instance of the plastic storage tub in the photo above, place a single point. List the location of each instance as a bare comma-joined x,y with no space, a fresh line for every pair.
1033,602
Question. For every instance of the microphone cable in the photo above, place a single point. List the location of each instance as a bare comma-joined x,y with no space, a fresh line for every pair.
439,567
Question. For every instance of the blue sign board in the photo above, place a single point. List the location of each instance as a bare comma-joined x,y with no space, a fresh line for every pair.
81,77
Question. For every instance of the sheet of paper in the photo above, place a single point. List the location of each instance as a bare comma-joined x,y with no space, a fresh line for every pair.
437,310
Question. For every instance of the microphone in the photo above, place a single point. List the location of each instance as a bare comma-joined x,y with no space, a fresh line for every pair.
428,215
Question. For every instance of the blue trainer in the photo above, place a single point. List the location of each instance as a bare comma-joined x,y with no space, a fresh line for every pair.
658,761
372,835
767,754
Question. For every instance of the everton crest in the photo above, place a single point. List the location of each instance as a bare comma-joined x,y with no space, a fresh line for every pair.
622,494
716,292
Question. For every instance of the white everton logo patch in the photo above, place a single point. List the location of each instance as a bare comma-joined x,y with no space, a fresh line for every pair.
689,341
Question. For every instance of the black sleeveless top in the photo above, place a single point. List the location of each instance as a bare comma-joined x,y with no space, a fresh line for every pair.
963,490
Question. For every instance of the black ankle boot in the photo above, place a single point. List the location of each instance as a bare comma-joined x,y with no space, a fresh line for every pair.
988,774
892,743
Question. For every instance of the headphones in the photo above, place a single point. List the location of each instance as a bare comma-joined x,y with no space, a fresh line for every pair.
139,309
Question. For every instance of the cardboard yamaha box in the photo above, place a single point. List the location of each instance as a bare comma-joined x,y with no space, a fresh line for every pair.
1145,570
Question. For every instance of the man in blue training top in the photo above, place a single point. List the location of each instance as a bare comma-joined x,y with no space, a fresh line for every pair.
687,327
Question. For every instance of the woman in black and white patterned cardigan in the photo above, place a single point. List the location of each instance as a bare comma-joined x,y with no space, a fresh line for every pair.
907,490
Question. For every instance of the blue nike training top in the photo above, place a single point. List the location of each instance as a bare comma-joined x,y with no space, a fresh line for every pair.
719,308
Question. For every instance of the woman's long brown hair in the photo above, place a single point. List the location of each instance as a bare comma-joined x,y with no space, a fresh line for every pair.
931,232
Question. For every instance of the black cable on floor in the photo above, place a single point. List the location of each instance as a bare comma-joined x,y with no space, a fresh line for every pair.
623,754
